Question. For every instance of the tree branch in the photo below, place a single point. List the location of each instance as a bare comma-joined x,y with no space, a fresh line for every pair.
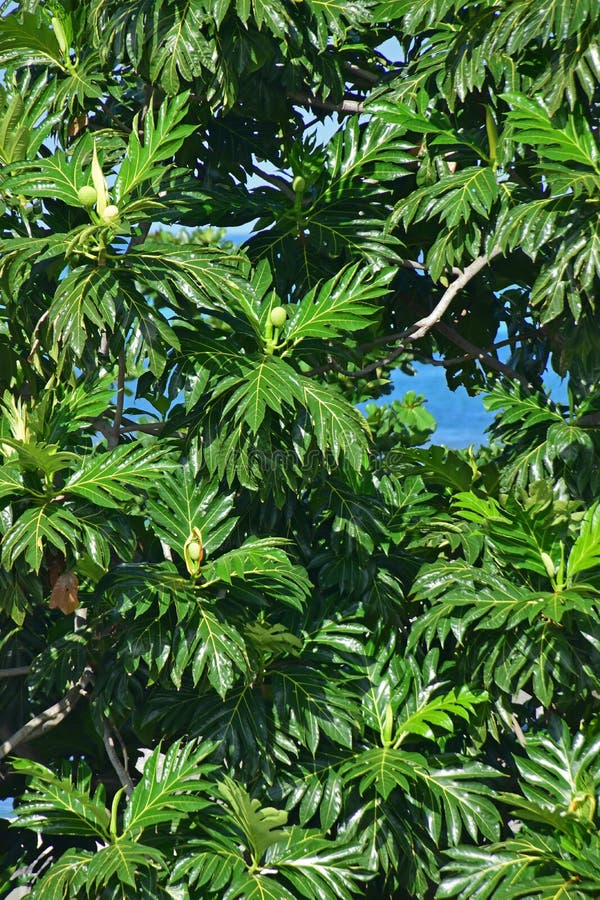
485,359
361,74
127,426
276,181
347,105
115,431
420,328
14,673
421,267
50,717
118,766
35,343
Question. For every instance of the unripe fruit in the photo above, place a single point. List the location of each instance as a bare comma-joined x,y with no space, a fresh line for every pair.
299,184
278,316
194,550
87,195
111,214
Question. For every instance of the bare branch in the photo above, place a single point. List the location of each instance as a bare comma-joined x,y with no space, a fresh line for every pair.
16,672
360,74
347,105
35,335
484,358
422,326
120,769
276,181
50,717
113,437
127,426
421,267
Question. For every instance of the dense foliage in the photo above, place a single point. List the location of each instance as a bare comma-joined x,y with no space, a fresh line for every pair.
256,643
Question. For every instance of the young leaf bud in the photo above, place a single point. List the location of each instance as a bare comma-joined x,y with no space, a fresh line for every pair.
99,183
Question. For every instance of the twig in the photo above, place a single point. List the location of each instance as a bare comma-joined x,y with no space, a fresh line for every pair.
50,717
276,181
421,267
14,673
120,769
347,105
485,359
420,328
113,437
127,426
361,74
518,732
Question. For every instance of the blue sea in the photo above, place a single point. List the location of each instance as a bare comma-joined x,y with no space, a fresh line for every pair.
461,420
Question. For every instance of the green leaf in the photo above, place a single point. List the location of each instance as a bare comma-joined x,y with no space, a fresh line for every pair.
184,50
48,524
339,428
260,826
384,768
29,40
58,176
574,143
264,565
169,787
453,200
585,552
267,383
87,295
121,862
344,303
67,876
111,479
61,805
213,646
163,136
436,713
181,504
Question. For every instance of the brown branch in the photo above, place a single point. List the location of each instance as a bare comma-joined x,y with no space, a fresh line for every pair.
519,734
591,419
276,181
113,437
50,717
127,426
477,353
422,326
16,672
360,73
109,745
421,267
35,335
347,105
